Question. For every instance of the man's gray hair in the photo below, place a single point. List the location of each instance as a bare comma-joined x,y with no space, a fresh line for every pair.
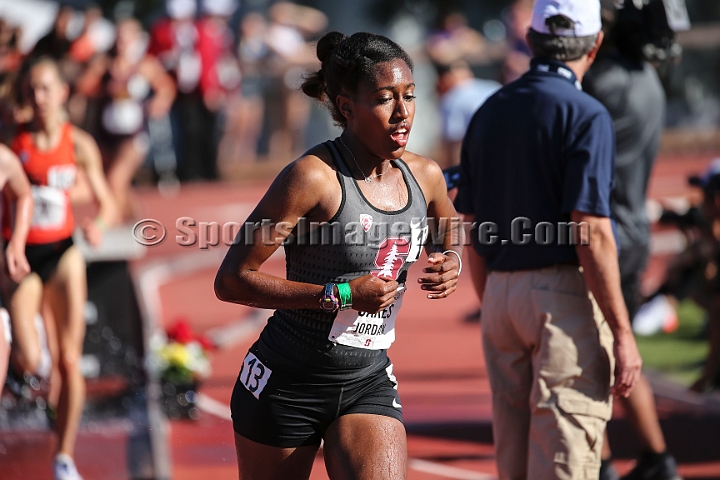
560,47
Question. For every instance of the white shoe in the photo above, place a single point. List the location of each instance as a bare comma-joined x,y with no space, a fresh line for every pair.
64,468
653,316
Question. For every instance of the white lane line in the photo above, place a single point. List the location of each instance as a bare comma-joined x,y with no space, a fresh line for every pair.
447,471
153,275
235,212
212,406
230,334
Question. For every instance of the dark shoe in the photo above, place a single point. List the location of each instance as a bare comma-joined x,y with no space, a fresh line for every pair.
607,471
654,466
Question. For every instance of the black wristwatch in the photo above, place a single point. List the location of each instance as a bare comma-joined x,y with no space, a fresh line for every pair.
329,302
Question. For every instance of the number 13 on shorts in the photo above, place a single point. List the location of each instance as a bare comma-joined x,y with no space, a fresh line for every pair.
254,375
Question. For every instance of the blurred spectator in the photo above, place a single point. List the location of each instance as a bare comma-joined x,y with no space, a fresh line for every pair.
10,55
197,109
129,86
220,74
695,272
290,54
453,40
244,113
517,60
710,183
56,44
97,36
461,94
173,40
10,60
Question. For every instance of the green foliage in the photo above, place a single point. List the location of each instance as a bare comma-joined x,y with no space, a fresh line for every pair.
680,354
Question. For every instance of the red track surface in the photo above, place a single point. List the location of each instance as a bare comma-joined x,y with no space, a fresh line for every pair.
437,356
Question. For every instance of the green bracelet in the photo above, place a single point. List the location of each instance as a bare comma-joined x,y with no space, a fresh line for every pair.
345,295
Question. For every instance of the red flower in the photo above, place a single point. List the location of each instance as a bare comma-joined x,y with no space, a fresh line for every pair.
181,332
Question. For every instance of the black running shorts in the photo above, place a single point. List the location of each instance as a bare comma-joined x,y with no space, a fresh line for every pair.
44,258
292,409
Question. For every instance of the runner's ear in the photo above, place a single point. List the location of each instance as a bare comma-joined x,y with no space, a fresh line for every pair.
344,104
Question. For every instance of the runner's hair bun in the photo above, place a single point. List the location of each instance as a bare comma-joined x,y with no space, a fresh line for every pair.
327,44
314,85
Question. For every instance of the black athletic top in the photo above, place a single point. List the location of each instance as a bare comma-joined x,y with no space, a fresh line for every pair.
358,240
634,96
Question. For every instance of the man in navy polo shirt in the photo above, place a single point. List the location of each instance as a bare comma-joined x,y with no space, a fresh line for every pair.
538,155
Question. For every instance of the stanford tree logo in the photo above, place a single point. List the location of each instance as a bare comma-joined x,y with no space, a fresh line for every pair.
391,257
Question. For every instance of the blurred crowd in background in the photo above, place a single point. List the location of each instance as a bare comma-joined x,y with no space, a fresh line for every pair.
192,89
200,89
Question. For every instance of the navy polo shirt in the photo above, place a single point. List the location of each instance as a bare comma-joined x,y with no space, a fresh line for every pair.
536,150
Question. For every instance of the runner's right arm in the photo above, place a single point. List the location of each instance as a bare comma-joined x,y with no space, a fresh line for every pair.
17,190
305,188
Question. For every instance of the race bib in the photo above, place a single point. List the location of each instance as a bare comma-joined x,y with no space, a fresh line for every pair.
254,375
50,210
373,331
61,177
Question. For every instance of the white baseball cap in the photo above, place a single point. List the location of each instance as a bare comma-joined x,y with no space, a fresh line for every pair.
584,13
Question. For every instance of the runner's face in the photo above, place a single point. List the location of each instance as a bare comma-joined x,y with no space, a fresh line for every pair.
46,92
128,38
383,110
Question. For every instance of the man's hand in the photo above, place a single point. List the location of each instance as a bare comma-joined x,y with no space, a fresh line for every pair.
598,257
627,364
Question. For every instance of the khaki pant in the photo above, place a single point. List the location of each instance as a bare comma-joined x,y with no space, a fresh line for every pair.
549,358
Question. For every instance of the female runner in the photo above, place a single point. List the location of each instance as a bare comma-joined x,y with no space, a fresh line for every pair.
353,215
51,151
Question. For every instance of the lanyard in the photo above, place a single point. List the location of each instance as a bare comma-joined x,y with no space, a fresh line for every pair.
555,67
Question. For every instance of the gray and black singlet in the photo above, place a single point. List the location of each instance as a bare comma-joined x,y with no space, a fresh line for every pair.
358,240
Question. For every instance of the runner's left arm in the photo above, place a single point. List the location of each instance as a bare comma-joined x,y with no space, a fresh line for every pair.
88,158
445,245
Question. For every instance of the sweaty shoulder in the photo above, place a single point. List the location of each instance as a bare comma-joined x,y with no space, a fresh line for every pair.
310,183
426,171
314,168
